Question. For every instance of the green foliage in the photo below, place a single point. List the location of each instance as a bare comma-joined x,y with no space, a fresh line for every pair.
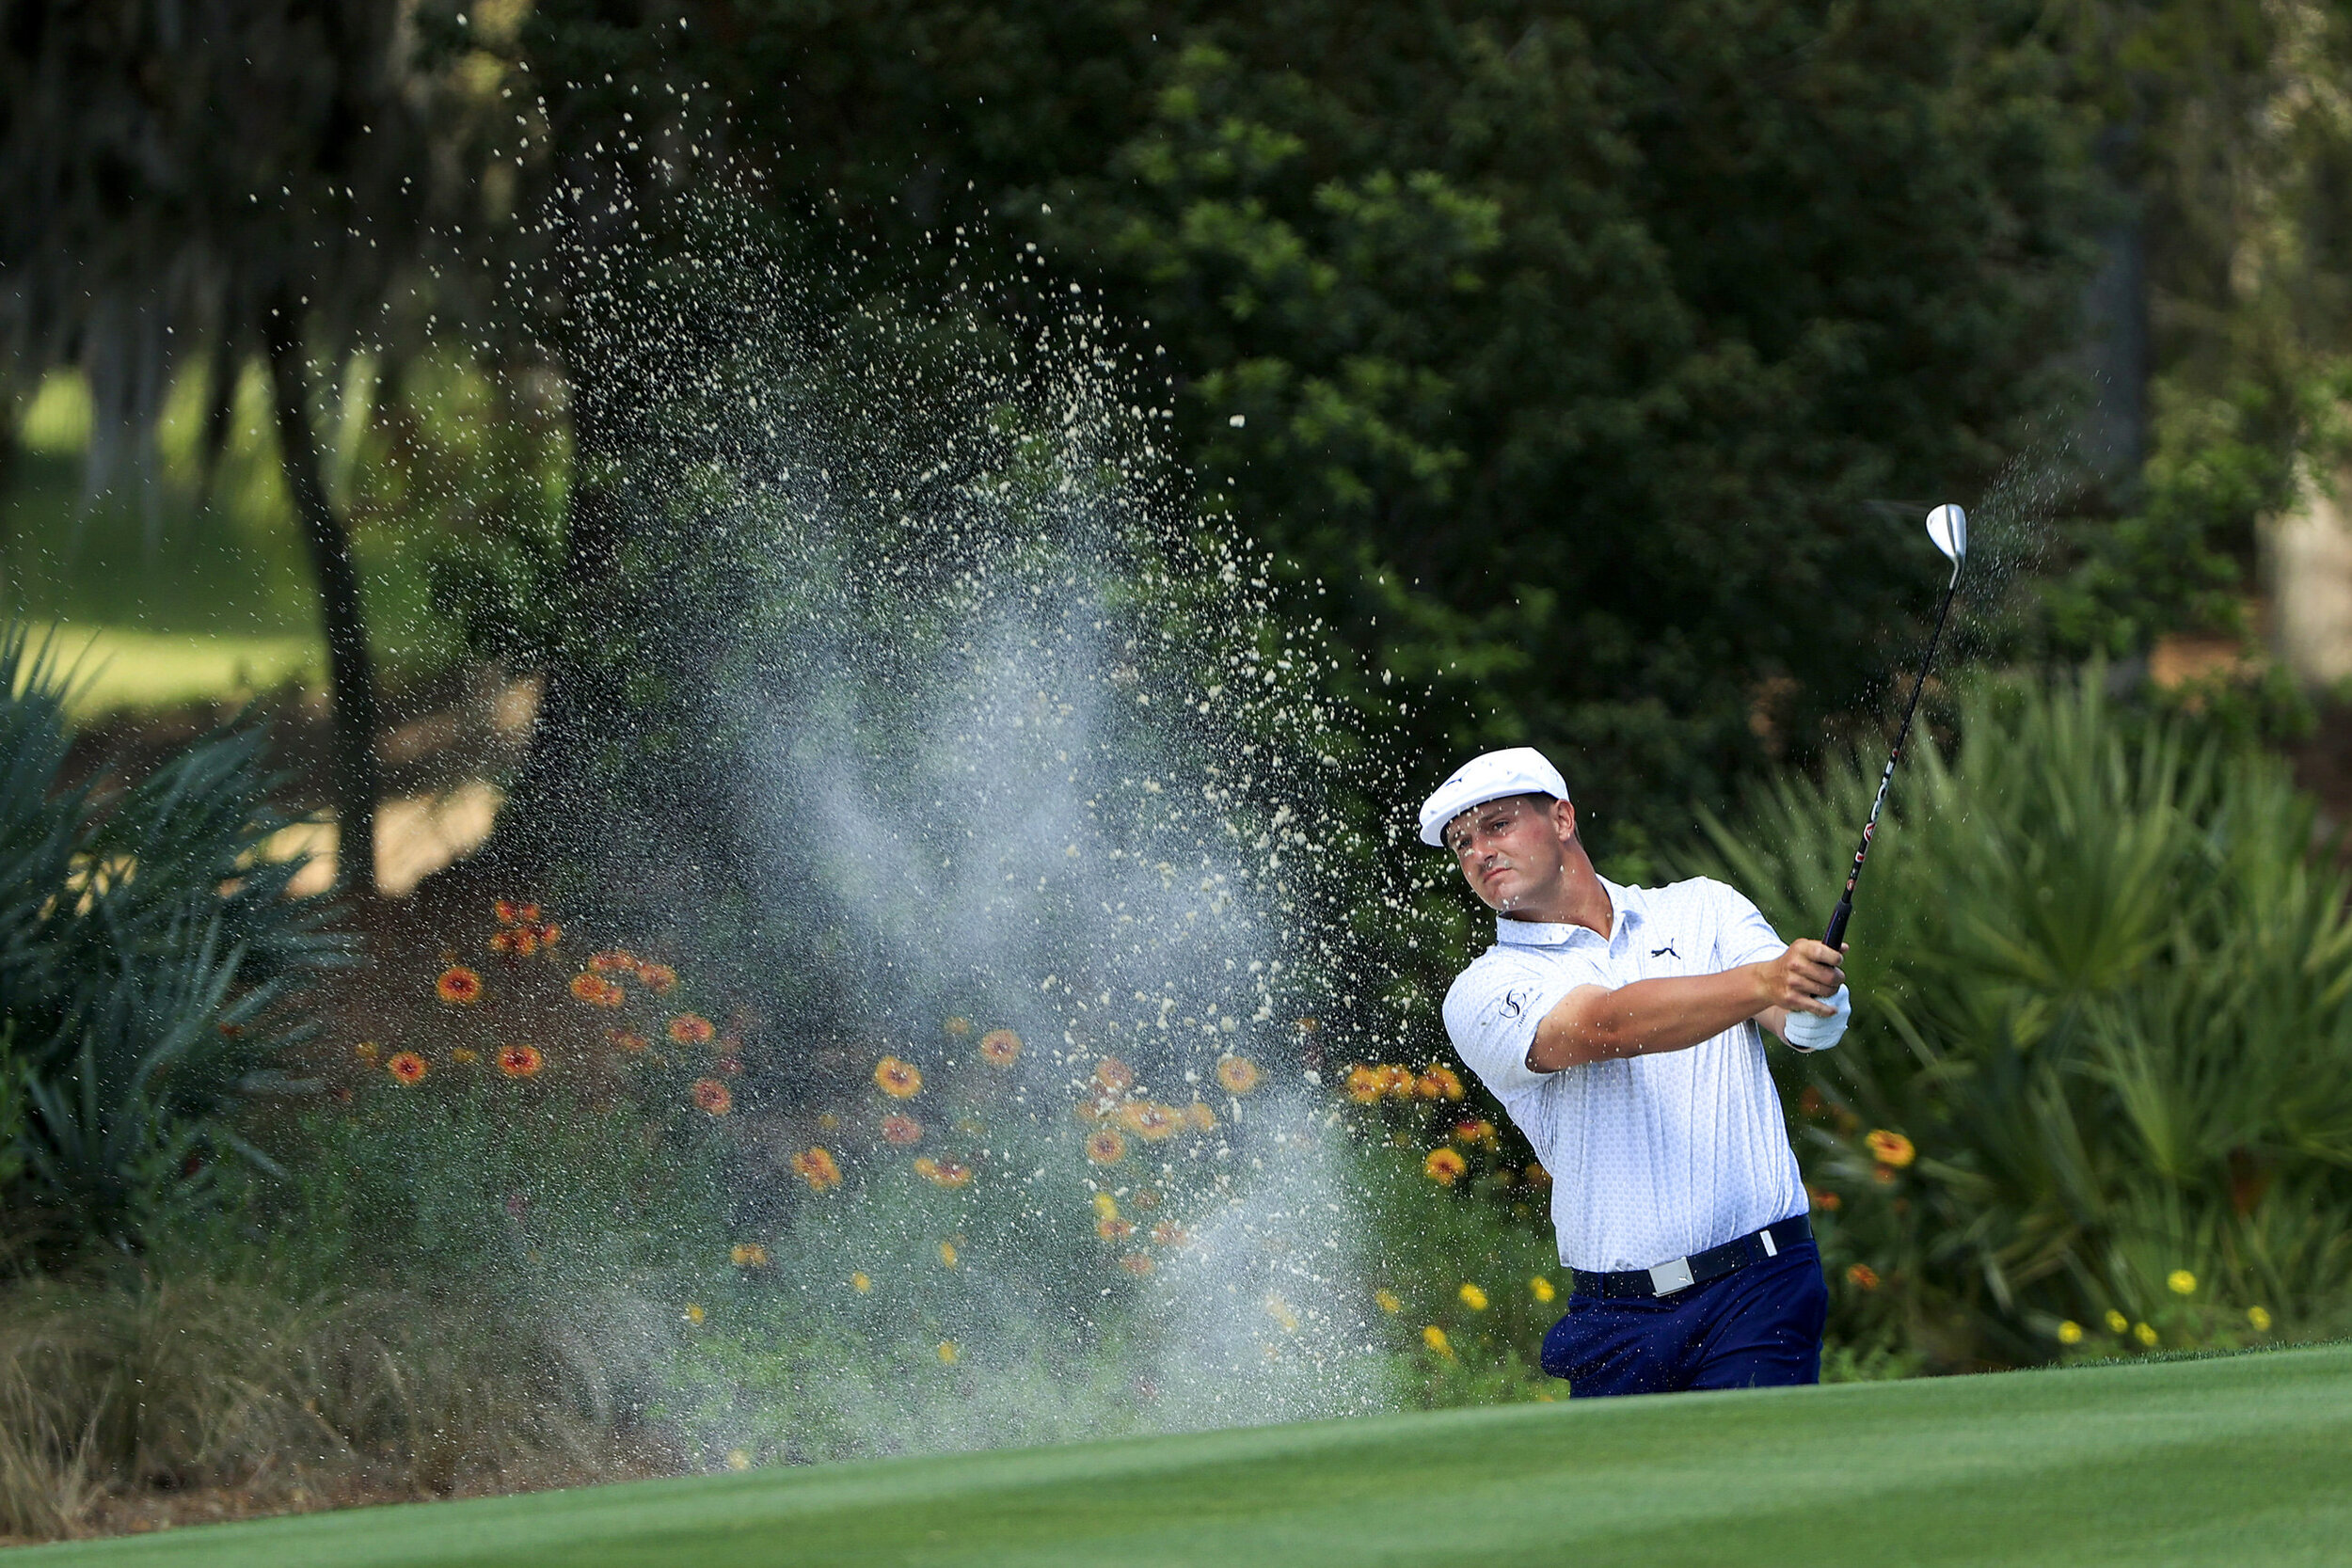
148,959
1505,339
2104,990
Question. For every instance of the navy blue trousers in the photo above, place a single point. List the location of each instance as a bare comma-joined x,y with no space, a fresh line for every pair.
1756,1327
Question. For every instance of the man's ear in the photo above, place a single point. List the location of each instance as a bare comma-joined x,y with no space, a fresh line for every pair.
1563,819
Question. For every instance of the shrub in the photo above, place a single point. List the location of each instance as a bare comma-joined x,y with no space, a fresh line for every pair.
2098,1093
149,958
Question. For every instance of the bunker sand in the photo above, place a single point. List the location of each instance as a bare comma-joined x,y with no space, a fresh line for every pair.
2236,1459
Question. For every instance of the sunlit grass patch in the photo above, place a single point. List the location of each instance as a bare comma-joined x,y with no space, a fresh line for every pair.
125,668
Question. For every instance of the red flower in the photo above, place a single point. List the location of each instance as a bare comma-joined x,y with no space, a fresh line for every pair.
902,1130
597,991
520,1061
1862,1276
624,1039
613,960
692,1029
656,978
712,1096
459,984
407,1067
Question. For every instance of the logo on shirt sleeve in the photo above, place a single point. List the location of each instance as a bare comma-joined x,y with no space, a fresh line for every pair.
1514,1002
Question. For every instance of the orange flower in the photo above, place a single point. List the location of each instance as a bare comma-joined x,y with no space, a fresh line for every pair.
712,1096
407,1067
506,913
526,913
459,984
597,991
816,1167
1438,1082
1114,1076
1443,1166
1536,1176
520,1061
1105,1147
1825,1199
626,1039
1087,1111
1239,1074
1862,1276
748,1254
1397,1081
1200,1118
613,960
1363,1083
1149,1121
1477,1131
898,1080
1138,1263
1112,1228
509,941
998,1046
902,1131
1168,1233
692,1029
550,933
657,978
944,1173
1891,1149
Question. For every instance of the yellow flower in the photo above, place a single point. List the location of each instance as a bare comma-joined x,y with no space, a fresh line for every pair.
1443,1166
1200,1118
2182,1282
1239,1074
947,1353
1435,1339
1472,1297
1891,1149
1363,1084
1105,1147
861,1282
2116,1323
748,1254
739,1460
2145,1335
1106,1207
1388,1302
2070,1333
464,1055
1000,1047
1541,1288
695,1313
897,1079
2259,1318
365,1051
958,1027
947,1254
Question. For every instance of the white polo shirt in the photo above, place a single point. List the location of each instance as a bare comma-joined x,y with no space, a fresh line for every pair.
1656,1157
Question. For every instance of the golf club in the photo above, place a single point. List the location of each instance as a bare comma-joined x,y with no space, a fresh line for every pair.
1947,524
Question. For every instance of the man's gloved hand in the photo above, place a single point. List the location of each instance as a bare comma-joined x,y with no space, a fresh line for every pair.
1811,1032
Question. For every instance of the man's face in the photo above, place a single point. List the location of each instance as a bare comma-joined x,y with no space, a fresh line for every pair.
1512,849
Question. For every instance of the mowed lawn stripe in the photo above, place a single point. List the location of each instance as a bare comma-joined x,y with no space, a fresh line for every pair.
2226,1461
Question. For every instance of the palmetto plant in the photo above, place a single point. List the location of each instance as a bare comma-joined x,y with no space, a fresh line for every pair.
2104,991
147,953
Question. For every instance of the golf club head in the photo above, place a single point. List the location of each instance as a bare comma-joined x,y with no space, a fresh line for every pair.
1947,524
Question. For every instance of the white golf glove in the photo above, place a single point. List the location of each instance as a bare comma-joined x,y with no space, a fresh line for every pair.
1810,1031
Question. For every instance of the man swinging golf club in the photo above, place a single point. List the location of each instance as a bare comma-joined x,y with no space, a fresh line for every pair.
1620,1028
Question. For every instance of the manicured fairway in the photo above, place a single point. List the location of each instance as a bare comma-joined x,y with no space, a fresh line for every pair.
2246,1459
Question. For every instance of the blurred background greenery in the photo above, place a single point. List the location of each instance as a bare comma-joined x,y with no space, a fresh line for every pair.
1583,371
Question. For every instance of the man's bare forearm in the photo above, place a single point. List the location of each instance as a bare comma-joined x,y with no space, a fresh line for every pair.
1594,1024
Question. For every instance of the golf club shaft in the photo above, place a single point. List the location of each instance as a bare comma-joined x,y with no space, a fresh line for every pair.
1844,912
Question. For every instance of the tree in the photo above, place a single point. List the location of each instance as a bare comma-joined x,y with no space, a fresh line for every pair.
220,180
1558,352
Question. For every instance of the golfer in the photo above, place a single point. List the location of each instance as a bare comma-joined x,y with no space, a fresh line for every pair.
1620,1027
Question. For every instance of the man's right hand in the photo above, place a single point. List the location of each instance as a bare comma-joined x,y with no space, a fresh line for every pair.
1803,978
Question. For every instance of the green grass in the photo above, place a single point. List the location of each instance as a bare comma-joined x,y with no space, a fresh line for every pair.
2232,1460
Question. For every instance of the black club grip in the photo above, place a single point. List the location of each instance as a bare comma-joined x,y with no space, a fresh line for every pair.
1837,936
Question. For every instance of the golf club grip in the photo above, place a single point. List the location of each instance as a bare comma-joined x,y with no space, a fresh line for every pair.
1836,936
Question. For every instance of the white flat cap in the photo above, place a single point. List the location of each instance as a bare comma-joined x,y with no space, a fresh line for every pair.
1517,770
